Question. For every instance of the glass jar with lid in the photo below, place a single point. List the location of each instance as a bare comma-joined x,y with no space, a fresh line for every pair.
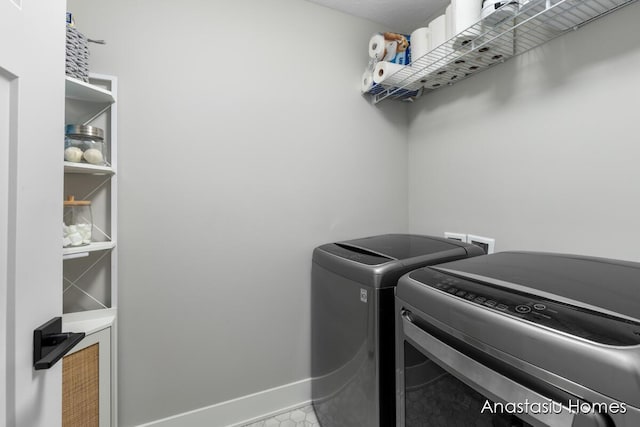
77,222
84,143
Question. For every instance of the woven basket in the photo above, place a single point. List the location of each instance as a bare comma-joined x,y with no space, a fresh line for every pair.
77,61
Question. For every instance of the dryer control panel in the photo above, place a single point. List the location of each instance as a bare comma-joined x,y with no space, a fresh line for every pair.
588,324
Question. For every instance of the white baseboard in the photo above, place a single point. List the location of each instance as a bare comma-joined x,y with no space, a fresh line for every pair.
243,410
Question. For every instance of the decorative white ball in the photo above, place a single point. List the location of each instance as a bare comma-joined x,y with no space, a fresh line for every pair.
93,156
73,154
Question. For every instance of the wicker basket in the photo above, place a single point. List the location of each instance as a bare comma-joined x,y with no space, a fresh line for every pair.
77,61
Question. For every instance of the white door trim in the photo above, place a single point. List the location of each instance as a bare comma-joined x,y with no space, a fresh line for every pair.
8,142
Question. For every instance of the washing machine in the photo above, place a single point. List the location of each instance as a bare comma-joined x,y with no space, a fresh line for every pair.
519,339
353,324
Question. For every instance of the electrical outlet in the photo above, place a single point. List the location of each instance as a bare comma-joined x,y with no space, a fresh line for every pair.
456,236
486,243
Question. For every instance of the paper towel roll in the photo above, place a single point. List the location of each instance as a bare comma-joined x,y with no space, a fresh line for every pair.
465,13
482,57
434,84
455,76
468,65
419,43
449,75
449,27
395,75
376,47
495,12
437,31
384,73
390,47
499,3
421,77
366,83
490,54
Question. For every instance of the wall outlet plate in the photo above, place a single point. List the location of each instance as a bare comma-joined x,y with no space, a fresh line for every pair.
486,243
456,236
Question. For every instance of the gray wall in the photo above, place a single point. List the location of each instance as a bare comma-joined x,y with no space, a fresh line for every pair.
540,152
243,144
242,148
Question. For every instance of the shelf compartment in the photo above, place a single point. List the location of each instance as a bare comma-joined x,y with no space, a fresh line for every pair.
69,253
86,101
86,168
494,39
81,91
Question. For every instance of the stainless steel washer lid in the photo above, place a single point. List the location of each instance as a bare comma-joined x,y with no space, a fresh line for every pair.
405,246
379,261
608,284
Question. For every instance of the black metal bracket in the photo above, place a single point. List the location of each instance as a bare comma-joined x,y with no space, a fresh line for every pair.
50,344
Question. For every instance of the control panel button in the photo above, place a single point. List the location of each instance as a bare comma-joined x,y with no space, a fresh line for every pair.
480,299
471,296
491,303
461,293
452,290
523,309
540,307
502,307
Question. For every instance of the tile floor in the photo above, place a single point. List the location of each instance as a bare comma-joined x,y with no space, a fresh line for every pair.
301,417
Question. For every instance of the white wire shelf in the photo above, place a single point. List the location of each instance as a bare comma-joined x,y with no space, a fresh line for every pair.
506,33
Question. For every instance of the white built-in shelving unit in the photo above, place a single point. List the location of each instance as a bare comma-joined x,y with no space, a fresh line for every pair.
90,272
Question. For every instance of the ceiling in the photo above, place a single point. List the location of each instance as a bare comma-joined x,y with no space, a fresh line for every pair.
396,15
